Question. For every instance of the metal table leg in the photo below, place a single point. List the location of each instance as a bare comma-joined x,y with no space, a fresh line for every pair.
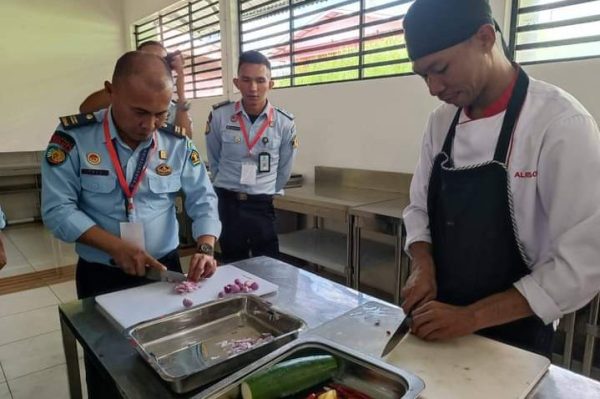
398,243
569,320
592,334
355,250
350,273
70,348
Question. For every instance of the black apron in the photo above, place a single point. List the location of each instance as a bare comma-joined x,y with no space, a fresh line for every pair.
475,248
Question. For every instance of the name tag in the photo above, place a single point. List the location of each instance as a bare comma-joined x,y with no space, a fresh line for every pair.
94,172
264,162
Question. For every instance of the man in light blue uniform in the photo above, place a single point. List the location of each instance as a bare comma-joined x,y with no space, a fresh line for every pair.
109,182
251,148
84,200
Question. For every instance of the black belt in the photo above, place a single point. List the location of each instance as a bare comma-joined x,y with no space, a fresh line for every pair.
224,193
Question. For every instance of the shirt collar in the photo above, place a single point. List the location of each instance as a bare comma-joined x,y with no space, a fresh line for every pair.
239,107
501,102
115,136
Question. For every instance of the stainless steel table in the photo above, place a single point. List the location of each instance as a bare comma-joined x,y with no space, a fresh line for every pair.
314,299
326,201
384,217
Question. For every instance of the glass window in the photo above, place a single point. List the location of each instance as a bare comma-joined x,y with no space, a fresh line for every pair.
193,28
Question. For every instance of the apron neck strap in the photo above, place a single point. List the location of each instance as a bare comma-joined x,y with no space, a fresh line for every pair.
511,116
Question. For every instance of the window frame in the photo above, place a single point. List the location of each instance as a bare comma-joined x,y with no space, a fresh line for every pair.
516,10
359,68
193,77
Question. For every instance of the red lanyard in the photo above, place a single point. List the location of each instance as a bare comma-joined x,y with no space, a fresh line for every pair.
128,189
264,126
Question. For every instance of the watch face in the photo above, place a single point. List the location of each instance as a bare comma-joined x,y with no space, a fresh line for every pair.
206,249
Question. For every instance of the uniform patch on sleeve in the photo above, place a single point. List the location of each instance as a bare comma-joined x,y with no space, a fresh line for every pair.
294,142
63,140
55,155
195,158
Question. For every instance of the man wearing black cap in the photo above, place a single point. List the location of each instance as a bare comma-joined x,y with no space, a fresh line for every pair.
504,221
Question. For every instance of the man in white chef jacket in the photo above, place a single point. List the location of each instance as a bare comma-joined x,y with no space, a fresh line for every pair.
504,222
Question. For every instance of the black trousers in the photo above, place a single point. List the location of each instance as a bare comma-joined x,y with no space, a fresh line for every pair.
248,226
93,279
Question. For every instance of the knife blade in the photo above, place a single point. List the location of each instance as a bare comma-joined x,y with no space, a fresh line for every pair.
165,275
397,336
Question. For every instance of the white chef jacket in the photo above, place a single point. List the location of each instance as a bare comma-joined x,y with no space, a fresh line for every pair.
554,168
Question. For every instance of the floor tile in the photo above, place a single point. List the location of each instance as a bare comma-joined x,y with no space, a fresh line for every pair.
47,253
4,392
47,384
24,301
32,355
66,292
28,324
2,379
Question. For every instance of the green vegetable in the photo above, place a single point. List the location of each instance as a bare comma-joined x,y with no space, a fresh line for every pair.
290,377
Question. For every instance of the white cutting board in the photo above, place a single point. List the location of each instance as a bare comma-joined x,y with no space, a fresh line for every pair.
470,367
131,306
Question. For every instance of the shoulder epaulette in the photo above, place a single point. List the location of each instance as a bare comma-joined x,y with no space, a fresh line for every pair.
173,130
221,104
72,121
285,113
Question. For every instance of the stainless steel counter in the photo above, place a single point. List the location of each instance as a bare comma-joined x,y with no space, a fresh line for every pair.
310,297
390,209
384,217
327,201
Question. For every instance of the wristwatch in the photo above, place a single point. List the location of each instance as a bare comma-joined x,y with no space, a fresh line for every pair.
185,106
206,249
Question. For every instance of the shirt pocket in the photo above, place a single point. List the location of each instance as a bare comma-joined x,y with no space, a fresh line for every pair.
164,184
234,146
162,192
98,184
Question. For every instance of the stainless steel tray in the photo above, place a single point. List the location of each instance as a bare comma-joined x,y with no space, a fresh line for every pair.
366,374
187,349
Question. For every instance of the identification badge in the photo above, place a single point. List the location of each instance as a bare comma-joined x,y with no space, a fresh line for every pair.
264,162
133,233
248,176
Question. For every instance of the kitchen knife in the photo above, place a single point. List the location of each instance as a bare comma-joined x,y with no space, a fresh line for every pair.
397,336
165,275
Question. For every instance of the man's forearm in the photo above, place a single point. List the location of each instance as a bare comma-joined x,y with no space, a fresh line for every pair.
182,117
500,308
421,254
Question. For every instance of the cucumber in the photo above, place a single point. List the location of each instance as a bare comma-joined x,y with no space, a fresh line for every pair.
289,377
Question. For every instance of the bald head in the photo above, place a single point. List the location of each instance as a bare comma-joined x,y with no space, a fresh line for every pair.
140,94
147,69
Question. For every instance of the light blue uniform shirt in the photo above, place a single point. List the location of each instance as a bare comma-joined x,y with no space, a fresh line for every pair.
2,220
227,148
80,188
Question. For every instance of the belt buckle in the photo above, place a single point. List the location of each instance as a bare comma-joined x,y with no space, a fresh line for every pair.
242,196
